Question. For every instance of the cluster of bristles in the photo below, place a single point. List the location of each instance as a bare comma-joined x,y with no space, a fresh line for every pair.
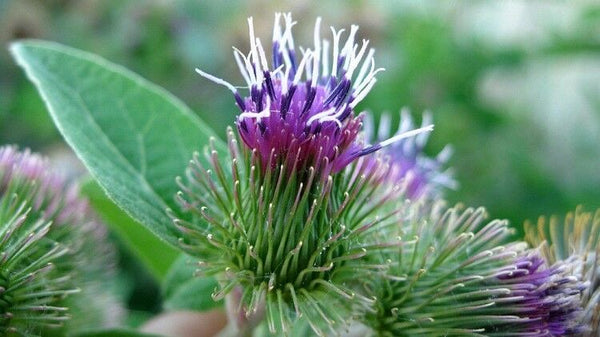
455,275
303,221
293,240
54,258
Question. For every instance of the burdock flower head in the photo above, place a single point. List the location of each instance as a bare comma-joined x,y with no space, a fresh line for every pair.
455,275
285,222
406,162
301,111
54,257
575,242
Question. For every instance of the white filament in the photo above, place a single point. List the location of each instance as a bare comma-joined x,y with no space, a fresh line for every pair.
217,80
319,61
407,134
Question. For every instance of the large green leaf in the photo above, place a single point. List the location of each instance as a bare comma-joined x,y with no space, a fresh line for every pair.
154,253
133,136
183,290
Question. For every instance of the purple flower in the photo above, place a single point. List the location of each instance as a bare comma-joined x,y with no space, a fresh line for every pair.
53,199
547,298
406,161
454,275
300,111
575,242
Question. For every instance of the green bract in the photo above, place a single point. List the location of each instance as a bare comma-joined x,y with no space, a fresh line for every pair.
31,288
292,242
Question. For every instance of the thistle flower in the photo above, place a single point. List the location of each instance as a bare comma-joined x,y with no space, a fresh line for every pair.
455,276
301,113
285,227
55,257
576,241
422,175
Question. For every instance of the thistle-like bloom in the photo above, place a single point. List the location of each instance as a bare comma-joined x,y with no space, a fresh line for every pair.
54,254
407,163
456,276
285,223
576,241
301,112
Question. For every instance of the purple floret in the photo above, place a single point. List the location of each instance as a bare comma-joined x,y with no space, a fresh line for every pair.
300,112
548,297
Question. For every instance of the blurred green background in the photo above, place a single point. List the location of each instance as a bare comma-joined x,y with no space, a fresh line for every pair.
513,85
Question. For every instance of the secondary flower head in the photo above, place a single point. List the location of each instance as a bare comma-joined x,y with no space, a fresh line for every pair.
546,298
55,260
300,111
575,241
406,162
455,276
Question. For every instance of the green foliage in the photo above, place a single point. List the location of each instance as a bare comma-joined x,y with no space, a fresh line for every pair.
133,137
139,240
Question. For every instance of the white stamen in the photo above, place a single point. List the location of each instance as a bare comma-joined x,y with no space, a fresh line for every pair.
266,112
325,56
217,80
368,63
317,53
348,51
336,51
278,72
284,81
288,30
305,58
287,40
253,49
406,122
308,66
422,139
407,134
331,118
362,93
357,58
384,126
320,116
261,53
369,127
335,117
367,82
445,154
277,28
248,67
241,61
